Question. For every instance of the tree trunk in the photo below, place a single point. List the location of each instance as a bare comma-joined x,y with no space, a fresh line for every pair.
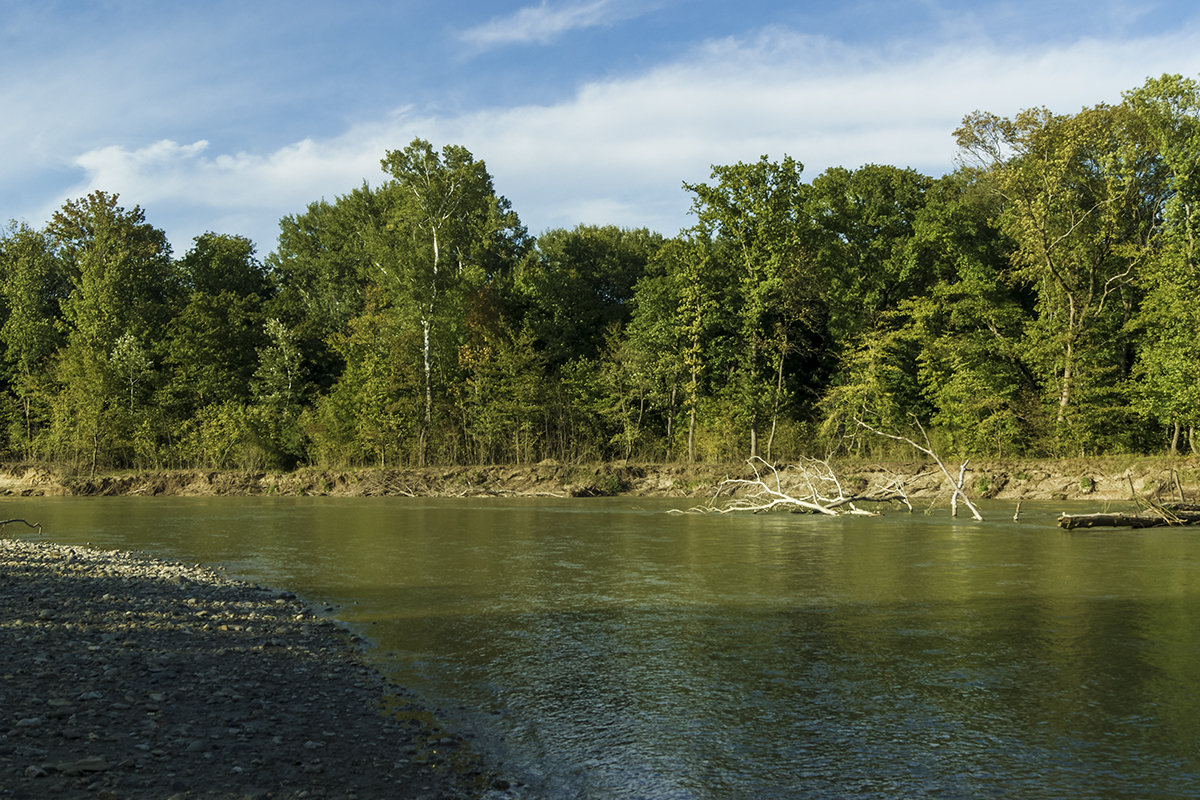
1064,397
778,397
428,391
693,401
671,426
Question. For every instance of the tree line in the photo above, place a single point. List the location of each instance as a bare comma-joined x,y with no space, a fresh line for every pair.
1039,300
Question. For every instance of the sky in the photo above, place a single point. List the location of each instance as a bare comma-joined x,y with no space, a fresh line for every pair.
227,115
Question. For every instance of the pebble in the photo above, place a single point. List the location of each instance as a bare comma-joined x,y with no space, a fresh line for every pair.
128,677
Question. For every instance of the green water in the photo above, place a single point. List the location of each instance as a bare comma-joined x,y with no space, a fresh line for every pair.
606,649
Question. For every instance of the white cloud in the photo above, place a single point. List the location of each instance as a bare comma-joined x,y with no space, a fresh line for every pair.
544,23
618,151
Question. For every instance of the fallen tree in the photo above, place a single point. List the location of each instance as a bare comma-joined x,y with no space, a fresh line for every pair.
1166,516
808,486
955,484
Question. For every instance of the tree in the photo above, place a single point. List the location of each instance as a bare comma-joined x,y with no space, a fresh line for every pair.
1081,200
373,410
212,343
33,285
279,388
446,233
576,284
753,214
865,221
1168,361
320,271
123,279
503,395
123,288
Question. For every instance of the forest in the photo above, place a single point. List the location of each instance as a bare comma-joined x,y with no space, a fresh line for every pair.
1041,300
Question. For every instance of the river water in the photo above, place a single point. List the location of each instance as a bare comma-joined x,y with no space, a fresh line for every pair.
607,649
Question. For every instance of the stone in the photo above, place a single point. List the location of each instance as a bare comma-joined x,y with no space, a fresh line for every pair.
83,766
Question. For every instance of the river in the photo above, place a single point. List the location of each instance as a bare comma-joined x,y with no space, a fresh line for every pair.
606,649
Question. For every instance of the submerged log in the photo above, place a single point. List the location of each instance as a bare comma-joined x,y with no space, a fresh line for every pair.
1164,517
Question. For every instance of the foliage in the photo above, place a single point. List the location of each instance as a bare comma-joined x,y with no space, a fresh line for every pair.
1039,300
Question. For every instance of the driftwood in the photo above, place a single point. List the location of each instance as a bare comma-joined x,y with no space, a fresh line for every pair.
1156,517
811,487
955,484
37,526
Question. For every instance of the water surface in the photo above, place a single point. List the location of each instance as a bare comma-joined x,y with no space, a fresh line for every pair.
606,649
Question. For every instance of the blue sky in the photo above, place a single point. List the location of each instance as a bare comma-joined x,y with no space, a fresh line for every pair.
226,115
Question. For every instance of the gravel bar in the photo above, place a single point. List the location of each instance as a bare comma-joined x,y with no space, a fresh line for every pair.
127,677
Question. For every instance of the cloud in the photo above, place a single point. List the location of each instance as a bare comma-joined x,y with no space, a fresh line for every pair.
544,23
617,151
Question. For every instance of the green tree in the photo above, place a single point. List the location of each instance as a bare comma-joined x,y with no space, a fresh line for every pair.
577,283
503,401
212,343
124,287
373,410
753,213
320,271
1168,361
33,285
654,342
1081,199
123,278
446,233
865,221
280,389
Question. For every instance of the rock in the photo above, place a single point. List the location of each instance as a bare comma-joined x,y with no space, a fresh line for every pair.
83,766
160,705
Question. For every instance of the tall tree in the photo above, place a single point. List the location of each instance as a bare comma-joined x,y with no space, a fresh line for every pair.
865,220
446,234
1081,200
753,214
123,279
1168,364
123,290
320,271
33,285
213,341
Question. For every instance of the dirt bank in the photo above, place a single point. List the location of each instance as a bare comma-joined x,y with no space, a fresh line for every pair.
1072,479
123,677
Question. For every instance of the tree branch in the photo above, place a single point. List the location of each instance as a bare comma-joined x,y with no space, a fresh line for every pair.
955,485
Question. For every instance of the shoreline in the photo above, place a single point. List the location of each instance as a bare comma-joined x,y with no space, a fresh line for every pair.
1102,479
126,676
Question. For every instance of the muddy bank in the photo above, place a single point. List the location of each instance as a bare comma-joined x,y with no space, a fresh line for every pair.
1073,479
123,677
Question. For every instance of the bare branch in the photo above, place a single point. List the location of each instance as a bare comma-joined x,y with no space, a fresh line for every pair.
809,486
956,486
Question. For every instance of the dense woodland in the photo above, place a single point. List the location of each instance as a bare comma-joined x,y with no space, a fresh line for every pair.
1041,300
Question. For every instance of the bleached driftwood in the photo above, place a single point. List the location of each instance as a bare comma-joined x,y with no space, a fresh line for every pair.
956,484
809,486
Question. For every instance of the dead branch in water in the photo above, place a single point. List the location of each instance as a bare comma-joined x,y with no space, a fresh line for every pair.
810,486
956,485
37,526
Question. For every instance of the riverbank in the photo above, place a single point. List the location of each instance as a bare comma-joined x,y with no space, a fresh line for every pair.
1110,478
125,677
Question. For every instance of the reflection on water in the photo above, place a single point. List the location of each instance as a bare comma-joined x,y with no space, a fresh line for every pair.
606,650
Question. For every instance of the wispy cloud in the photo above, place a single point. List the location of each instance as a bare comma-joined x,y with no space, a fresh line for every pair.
617,151
544,23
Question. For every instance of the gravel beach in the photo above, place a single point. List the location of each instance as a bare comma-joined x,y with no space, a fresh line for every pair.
126,677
